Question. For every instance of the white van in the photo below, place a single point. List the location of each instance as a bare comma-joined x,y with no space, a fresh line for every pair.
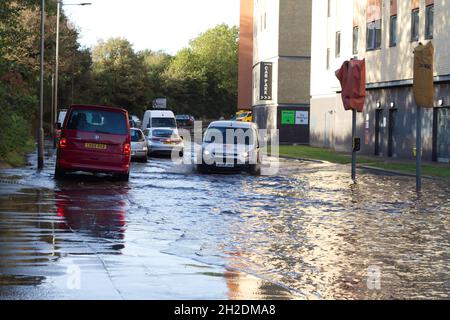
161,133
159,119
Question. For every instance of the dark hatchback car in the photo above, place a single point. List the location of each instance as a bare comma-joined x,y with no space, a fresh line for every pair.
95,139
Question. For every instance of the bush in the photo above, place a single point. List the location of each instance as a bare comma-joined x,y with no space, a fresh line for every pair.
17,113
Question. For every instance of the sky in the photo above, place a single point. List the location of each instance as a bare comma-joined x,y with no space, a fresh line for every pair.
166,25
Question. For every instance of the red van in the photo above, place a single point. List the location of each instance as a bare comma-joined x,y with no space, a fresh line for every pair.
95,139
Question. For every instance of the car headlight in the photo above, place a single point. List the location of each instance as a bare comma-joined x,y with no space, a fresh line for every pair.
206,153
245,154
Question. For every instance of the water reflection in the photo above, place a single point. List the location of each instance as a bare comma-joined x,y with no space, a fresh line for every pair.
96,211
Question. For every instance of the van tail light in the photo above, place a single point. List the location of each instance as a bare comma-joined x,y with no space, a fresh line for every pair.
127,149
62,143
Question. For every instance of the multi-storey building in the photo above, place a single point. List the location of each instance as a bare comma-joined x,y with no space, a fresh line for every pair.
385,33
280,70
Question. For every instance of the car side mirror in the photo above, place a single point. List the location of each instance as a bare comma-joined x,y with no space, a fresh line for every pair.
58,126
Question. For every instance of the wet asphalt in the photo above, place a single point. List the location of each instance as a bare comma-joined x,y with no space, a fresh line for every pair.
305,232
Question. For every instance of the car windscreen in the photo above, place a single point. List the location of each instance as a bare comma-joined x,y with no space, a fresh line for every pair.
226,135
162,133
136,136
99,121
163,123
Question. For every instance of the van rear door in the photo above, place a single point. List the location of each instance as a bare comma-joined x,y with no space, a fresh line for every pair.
96,135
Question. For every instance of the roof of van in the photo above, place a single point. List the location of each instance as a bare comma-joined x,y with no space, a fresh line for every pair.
161,113
233,124
86,106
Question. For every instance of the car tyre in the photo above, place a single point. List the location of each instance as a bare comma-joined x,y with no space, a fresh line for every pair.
59,173
123,177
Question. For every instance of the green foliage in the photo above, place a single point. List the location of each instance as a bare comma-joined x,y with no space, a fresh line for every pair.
202,79
119,75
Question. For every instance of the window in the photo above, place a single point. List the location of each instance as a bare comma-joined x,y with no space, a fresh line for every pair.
374,35
99,121
355,39
338,44
328,59
164,123
415,25
429,15
393,31
265,21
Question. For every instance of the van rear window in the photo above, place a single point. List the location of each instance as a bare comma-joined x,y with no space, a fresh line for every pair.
99,121
164,123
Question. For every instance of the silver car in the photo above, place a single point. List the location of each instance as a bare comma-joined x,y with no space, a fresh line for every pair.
163,141
139,148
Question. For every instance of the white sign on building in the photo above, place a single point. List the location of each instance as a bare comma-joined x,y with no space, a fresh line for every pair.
302,117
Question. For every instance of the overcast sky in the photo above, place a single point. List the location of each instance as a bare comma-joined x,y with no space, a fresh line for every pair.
166,25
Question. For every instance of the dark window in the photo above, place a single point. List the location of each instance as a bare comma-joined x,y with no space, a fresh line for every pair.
393,31
429,16
374,35
227,135
338,44
136,135
355,39
164,123
163,133
415,25
98,121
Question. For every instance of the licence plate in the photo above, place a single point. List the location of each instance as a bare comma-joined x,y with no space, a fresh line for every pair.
225,165
169,142
95,146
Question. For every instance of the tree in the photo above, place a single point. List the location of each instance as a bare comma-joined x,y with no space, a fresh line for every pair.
119,75
209,68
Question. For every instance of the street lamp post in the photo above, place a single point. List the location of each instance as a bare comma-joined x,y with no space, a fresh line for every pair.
41,102
55,93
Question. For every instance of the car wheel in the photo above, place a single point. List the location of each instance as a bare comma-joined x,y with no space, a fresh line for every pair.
144,159
255,169
59,173
123,177
201,168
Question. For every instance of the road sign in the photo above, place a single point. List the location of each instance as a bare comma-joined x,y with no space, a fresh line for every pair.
423,84
160,103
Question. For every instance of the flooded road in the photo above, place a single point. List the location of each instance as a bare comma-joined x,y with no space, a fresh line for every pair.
307,232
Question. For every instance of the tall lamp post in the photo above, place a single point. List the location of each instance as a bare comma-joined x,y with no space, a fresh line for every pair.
55,93
41,98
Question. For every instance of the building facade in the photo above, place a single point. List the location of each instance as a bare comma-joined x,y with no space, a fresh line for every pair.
385,33
280,72
245,56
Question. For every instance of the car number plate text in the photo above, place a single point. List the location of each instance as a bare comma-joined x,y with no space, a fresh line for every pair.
225,165
95,146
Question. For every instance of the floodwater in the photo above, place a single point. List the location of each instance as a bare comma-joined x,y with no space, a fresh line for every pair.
306,232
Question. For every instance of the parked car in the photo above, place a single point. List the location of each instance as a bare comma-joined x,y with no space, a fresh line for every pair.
160,130
240,154
58,125
94,139
246,116
135,122
237,114
184,120
163,141
138,145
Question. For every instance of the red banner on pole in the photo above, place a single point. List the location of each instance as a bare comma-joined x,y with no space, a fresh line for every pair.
352,76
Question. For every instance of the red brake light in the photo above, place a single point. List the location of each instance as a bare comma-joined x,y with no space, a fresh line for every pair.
62,143
126,149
